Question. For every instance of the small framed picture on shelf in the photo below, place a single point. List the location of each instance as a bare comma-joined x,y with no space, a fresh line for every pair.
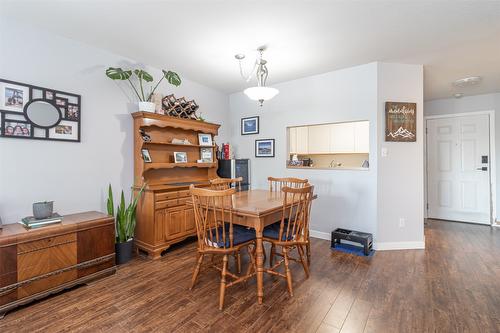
250,125
205,139
206,155
180,157
145,156
264,148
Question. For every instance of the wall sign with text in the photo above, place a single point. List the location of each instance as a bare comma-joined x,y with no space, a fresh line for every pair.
400,122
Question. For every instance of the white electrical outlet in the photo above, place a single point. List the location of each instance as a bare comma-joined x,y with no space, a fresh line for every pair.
402,222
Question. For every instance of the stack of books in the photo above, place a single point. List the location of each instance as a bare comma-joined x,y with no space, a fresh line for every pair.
30,222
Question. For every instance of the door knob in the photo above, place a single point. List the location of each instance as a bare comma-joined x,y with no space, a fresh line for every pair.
483,169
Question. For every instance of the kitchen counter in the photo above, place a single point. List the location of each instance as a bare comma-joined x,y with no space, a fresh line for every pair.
326,168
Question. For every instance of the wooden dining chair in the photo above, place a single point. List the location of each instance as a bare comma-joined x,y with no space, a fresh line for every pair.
276,184
292,232
225,183
213,212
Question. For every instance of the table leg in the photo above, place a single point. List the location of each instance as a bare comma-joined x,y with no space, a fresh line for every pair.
260,265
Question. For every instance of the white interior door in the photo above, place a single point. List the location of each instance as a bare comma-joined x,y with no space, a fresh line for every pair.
458,168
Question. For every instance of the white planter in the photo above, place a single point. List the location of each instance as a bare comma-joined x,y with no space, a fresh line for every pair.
147,107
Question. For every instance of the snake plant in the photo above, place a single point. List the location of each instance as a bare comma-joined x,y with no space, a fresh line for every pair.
125,215
116,73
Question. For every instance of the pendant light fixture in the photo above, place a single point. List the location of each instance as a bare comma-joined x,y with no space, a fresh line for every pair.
260,92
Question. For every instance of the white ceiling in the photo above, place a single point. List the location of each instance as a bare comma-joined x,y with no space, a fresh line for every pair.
198,39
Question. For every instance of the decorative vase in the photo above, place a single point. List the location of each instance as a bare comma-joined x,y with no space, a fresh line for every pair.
147,107
43,210
123,251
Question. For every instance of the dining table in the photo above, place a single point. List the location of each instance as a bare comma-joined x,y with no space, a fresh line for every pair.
257,209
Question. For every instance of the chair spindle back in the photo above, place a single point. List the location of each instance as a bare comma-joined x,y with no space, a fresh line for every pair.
225,183
296,211
213,212
277,184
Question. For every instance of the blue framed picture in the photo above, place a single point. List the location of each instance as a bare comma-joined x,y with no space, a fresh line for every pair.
250,125
264,148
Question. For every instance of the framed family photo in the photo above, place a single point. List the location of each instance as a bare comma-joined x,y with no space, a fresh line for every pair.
250,125
13,97
17,128
66,130
37,113
264,148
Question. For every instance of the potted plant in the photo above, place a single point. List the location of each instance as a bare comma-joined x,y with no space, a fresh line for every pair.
125,224
145,103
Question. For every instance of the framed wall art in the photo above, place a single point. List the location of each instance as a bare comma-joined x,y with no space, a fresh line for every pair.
250,125
38,113
400,122
264,148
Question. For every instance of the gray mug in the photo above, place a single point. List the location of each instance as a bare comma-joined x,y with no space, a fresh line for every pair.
43,210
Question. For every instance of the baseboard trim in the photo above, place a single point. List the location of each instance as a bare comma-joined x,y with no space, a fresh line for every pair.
320,234
386,246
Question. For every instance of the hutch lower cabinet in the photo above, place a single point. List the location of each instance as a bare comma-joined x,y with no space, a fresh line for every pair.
38,262
164,216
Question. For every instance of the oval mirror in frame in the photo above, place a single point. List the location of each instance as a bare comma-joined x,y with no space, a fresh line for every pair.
42,113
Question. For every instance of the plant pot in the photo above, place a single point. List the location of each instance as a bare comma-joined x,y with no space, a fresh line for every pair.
147,107
43,210
123,251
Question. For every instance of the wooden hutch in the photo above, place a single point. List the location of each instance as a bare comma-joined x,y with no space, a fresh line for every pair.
163,216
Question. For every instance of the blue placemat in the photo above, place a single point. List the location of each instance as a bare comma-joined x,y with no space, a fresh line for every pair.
353,249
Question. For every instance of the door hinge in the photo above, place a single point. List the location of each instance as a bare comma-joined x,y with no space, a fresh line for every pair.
426,130
427,206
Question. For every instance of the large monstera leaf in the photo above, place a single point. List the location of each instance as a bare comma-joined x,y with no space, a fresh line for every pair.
143,75
172,78
118,73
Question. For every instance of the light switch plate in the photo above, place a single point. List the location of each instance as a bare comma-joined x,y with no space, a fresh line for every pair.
384,151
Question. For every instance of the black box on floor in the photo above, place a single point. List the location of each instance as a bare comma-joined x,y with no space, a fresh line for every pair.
362,238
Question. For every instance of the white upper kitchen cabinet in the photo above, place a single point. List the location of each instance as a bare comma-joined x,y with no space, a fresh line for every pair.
292,140
362,137
339,138
342,138
319,139
298,137
302,140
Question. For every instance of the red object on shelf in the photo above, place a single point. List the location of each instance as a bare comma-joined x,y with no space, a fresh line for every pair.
226,151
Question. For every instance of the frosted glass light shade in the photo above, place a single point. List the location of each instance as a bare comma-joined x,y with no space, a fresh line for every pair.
261,93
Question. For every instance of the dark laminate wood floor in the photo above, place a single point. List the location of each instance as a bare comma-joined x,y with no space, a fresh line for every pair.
452,286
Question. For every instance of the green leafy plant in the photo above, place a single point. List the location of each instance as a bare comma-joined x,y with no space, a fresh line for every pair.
125,215
116,73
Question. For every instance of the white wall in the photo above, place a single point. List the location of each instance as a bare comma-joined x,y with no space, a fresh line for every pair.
373,200
486,102
345,198
75,175
400,192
